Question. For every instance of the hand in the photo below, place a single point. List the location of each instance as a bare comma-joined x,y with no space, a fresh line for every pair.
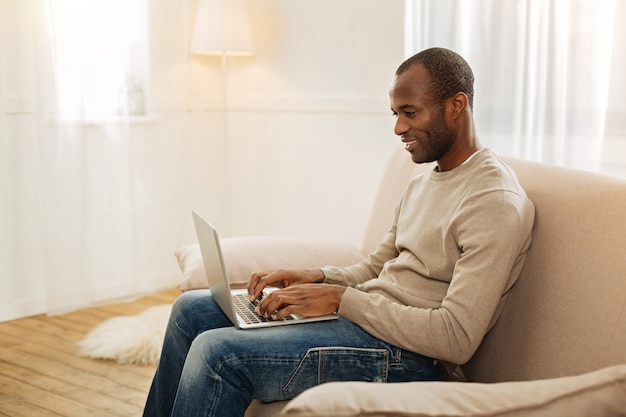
306,299
282,278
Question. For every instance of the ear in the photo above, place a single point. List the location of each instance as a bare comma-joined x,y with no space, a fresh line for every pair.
458,104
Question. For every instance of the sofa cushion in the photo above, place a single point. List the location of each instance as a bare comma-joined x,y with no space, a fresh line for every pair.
565,315
596,394
245,255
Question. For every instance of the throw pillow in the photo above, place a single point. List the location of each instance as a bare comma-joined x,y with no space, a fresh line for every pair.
245,255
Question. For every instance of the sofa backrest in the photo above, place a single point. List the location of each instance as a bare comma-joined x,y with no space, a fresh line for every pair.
397,174
567,313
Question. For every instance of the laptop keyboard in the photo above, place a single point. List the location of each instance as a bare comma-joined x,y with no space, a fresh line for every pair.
245,309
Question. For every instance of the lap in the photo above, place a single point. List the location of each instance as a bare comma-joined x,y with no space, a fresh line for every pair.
195,313
296,356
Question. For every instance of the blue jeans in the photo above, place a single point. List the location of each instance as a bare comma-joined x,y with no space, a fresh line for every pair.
209,368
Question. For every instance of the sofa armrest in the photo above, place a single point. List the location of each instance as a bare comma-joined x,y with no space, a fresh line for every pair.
245,255
600,393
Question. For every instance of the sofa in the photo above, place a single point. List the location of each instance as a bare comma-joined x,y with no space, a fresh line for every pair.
559,347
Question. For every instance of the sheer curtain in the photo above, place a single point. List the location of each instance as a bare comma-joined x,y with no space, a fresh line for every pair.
95,198
548,81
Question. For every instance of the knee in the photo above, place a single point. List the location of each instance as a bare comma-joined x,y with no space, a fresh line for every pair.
211,350
195,312
185,312
188,300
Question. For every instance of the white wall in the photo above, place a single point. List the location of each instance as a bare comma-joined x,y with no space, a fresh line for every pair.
94,210
309,126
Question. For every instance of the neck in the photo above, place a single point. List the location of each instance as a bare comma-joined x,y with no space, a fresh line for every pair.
466,144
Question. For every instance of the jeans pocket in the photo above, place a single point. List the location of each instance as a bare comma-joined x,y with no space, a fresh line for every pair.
327,364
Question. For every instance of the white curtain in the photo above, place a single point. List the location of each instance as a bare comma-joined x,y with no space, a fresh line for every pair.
93,203
549,74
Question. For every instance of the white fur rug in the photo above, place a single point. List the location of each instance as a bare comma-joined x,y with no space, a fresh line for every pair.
128,339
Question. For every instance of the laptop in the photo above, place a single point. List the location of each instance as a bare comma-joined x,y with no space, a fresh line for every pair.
235,304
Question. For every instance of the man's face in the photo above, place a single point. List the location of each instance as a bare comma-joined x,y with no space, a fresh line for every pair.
420,119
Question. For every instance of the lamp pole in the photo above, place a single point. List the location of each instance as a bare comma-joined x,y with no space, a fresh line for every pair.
222,28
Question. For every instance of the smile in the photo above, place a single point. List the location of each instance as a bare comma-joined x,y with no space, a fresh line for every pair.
409,144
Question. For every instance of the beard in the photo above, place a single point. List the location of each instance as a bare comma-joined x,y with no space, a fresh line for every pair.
435,143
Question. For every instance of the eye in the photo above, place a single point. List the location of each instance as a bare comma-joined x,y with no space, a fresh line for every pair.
405,113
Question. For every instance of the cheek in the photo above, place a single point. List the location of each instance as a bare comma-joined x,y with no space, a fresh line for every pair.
425,125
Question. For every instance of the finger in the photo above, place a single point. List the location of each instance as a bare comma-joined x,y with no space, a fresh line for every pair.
263,306
253,284
277,306
282,312
273,302
277,278
304,309
257,283
254,279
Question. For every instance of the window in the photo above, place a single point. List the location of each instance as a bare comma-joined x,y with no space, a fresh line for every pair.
101,57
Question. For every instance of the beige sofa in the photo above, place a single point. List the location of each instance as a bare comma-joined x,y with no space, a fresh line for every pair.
559,348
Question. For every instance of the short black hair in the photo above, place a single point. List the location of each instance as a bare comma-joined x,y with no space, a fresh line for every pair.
449,73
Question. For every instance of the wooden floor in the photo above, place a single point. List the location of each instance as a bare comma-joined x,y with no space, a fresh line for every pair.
41,375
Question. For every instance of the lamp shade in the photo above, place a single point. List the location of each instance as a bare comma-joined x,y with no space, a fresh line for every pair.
222,27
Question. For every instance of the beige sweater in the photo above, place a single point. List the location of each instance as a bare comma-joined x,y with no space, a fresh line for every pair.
438,279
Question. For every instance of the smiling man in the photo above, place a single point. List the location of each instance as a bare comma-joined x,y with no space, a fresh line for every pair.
435,111
419,305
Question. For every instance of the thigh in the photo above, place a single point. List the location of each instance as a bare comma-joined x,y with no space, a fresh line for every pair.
345,352
279,363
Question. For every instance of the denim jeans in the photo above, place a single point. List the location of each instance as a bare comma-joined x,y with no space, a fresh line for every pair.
209,368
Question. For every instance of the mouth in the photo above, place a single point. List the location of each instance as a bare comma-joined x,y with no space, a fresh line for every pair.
410,145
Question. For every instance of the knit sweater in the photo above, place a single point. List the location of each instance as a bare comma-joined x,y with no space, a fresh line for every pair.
438,279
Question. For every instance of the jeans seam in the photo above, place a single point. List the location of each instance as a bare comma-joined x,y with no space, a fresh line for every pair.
183,331
217,393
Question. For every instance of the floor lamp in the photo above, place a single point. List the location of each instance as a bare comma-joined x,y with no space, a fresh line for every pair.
222,28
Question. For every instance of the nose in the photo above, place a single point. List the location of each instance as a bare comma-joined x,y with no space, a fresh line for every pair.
400,127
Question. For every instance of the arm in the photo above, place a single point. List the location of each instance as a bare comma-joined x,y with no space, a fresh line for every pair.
486,244
297,297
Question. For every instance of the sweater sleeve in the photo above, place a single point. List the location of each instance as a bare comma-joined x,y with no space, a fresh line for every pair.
492,233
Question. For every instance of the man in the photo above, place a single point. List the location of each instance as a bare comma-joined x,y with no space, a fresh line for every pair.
418,306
